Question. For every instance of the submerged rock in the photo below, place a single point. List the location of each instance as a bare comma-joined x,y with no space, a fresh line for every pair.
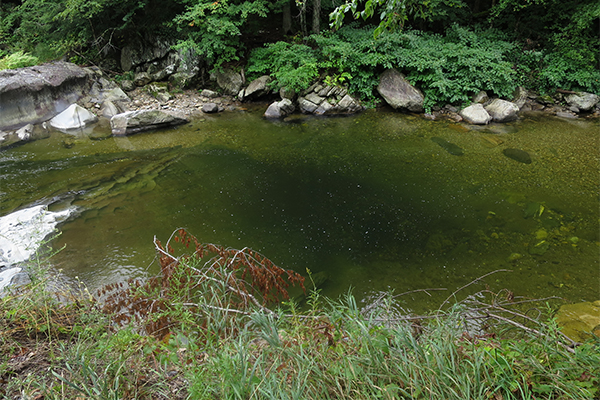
448,146
518,155
580,321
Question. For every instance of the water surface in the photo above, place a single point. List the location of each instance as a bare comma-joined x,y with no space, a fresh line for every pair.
377,201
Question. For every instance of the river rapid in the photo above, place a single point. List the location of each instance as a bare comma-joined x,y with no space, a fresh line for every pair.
378,201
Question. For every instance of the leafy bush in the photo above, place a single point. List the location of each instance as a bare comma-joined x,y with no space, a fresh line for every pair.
293,66
18,60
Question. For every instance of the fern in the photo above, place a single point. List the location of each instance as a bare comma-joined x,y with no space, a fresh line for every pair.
18,60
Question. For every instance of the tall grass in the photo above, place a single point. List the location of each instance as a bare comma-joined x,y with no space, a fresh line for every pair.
213,345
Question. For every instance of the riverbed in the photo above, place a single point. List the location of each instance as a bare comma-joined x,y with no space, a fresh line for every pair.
378,201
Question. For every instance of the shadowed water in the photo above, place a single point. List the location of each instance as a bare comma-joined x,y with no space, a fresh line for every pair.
377,201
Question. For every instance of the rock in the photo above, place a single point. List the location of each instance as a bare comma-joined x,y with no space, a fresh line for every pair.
181,80
230,81
518,155
579,321
210,108
26,133
480,97
348,104
209,94
142,79
286,93
583,101
449,147
476,114
109,109
502,110
565,114
143,120
35,94
280,109
398,92
324,108
22,232
127,85
306,106
144,50
258,87
520,97
160,91
74,117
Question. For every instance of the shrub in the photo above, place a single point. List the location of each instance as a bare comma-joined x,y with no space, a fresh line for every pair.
18,60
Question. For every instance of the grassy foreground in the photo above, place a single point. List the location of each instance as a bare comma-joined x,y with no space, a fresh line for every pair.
202,331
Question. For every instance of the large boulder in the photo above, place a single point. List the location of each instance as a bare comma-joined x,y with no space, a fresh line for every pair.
35,94
279,109
74,117
475,114
258,87
398,92
502,110
144,50
583,101
230,81
132,122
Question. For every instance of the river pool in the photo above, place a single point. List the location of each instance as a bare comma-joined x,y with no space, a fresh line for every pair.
377,201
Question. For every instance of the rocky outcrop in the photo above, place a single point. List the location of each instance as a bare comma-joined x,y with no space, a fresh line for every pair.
475,114
144,120
502,110
398,92
74,117
323,99
36,94
280,109
582,101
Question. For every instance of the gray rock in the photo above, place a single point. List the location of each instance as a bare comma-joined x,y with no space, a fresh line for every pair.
480,97
109,109
160,91
307,106
230,81
209,94
348,104
502,110
583,101
476,114
182,80
210,108
144,50
520,97
127,85
74,117
324,108
35,94
280,109
142,79
258,87
314,98
143,120
564,114
398,92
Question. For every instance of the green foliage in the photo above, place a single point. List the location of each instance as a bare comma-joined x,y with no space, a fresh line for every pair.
395,14
214,29
18,60
294,66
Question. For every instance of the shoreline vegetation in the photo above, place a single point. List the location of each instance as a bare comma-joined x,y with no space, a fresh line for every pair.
217,323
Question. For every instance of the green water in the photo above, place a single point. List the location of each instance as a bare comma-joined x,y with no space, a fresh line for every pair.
371,200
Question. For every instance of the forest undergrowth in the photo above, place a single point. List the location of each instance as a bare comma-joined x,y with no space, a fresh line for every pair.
219,323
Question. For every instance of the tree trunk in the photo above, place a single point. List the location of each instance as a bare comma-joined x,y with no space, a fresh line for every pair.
302,4
316,26
287,17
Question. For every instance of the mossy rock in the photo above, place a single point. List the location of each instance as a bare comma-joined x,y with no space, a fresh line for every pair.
580,321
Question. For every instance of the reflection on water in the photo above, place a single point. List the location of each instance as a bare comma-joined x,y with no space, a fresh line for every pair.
378,201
